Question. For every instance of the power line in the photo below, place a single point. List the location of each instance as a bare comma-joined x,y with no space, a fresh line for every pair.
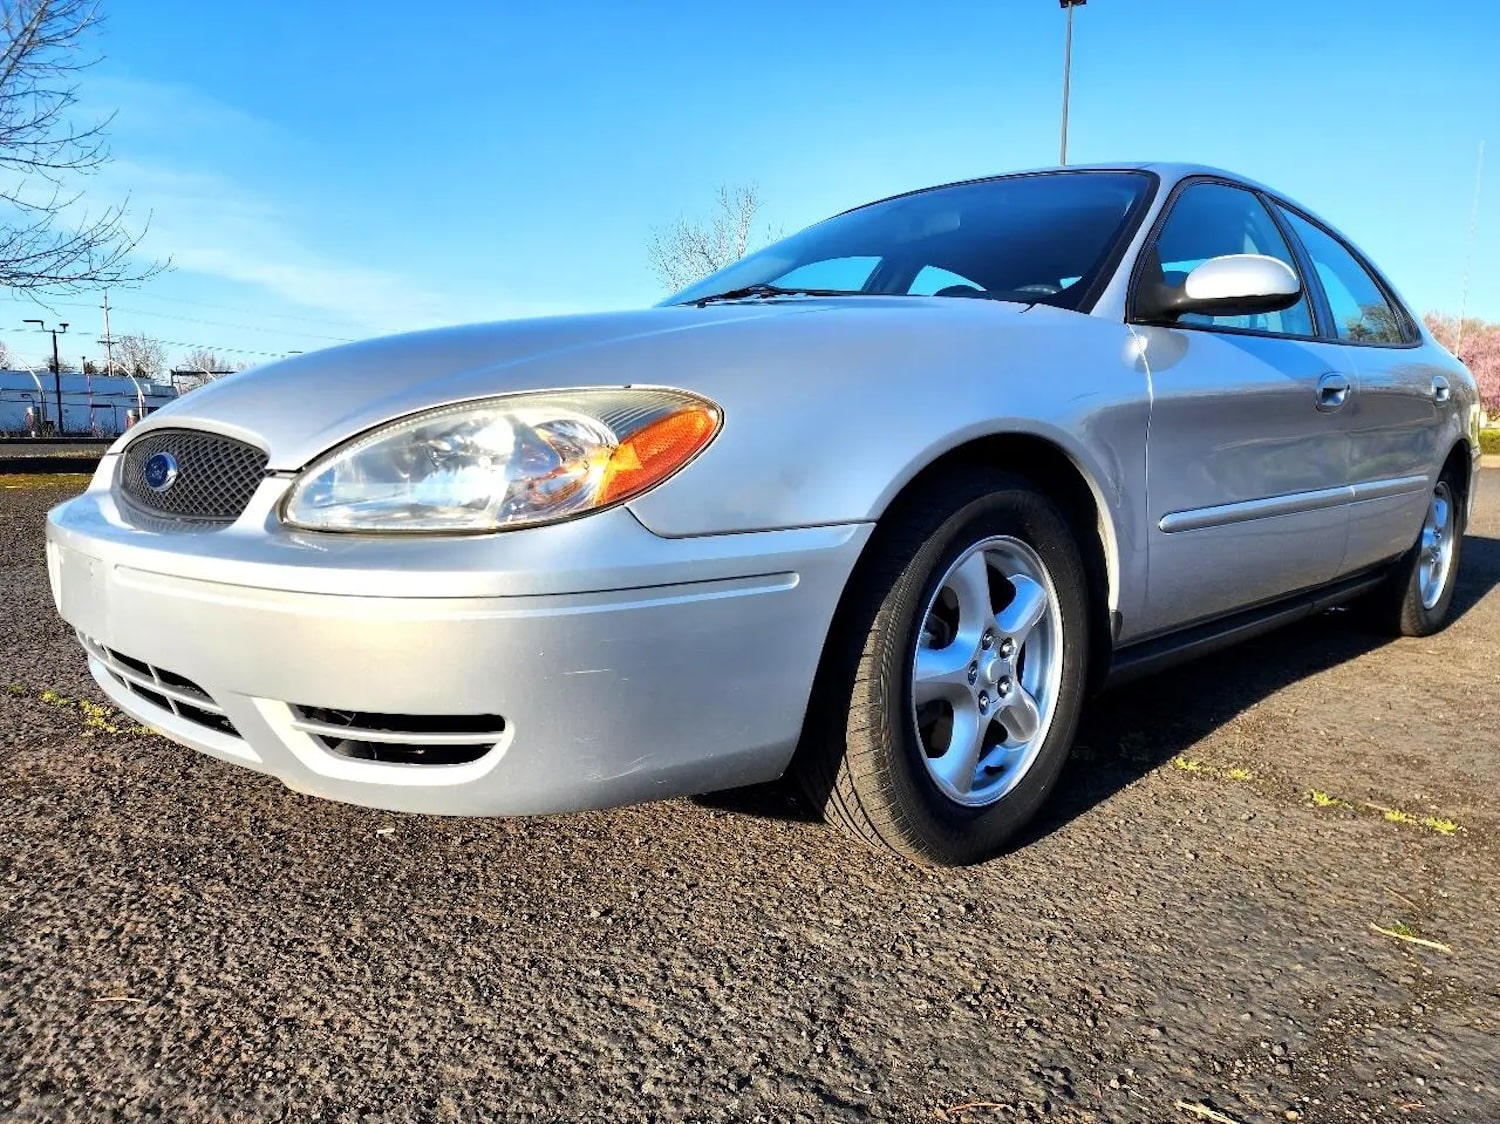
214,323
221,347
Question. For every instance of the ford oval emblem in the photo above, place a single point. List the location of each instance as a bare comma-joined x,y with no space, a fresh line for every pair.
161,471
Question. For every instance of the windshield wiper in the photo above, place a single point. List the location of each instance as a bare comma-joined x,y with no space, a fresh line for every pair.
769,291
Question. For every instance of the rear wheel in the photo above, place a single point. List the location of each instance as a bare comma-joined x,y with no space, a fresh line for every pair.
1417,598
951,689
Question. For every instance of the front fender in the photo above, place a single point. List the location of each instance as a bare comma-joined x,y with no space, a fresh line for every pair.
832,427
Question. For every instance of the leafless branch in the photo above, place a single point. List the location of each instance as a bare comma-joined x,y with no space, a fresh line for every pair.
692,249
139,356
45,243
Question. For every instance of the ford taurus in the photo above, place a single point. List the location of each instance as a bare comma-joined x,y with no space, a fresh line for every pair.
879,505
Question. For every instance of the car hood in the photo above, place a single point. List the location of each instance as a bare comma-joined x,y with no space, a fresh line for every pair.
301,407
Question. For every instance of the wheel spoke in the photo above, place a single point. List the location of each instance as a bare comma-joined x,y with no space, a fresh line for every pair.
959,763
1440,513
1018,618
971,585
941,673
1020,716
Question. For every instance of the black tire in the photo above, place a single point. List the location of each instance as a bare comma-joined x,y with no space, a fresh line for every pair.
1396,608
861,761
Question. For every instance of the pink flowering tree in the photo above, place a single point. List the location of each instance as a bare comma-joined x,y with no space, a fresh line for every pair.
1480,353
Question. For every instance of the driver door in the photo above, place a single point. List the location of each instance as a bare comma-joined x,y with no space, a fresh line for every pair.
1248,451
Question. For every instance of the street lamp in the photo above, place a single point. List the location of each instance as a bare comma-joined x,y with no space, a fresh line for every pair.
1068,6
56,367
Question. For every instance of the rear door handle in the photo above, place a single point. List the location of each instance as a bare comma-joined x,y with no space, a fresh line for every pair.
1440,391
1333,392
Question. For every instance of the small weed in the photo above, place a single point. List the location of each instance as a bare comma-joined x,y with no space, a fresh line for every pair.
1323,800
1239,773
1189,765
97,718
1440,824
1402,929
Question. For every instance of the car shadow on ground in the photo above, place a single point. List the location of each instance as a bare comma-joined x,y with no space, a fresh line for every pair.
1128,732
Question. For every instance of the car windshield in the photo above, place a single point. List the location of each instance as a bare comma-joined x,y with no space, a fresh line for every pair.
1040,238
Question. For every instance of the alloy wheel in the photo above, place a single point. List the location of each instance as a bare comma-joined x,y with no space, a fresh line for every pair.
986,672
1436,547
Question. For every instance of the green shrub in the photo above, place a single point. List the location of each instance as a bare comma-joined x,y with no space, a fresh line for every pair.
1489,441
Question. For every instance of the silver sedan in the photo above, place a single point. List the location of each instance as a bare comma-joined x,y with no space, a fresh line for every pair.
879,506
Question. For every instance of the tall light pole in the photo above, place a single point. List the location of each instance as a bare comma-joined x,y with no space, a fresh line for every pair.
1463,300
1068,6
56,367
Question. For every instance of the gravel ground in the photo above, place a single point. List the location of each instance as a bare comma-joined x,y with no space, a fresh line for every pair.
181,940
50,449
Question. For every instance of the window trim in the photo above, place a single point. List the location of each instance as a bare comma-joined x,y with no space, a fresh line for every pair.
1411,334
1293,247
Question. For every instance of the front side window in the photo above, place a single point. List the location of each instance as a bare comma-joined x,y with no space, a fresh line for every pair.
1361,312
1035,238
1209,220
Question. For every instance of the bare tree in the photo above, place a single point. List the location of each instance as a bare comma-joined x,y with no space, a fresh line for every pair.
197,367
691,250
6,359
139,356
47,239
205,361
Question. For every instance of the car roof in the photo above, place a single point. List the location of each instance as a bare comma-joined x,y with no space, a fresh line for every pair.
1169,171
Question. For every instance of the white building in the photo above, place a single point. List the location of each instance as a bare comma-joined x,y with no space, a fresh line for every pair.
102,405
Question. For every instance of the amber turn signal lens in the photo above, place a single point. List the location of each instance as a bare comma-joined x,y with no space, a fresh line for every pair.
653,453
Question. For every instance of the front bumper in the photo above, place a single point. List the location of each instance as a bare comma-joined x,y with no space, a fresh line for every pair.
625,666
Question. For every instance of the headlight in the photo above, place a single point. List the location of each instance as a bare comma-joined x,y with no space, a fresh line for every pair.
497,463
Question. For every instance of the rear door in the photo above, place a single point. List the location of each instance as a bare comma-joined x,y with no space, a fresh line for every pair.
1394,418
1247,458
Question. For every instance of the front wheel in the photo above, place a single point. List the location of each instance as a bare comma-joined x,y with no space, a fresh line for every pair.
951,689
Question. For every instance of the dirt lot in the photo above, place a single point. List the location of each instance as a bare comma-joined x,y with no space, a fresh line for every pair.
181,940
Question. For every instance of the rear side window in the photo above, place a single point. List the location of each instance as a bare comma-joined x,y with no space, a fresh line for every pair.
1209,220
1361,311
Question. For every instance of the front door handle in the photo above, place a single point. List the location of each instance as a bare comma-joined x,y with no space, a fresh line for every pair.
1440,391
1333,392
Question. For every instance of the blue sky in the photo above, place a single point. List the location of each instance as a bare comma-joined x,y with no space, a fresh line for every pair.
327,171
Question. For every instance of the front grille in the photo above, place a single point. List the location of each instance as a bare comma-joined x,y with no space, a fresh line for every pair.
205,478
174,693
406,739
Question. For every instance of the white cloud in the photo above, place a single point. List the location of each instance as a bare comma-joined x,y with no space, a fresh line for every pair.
208,224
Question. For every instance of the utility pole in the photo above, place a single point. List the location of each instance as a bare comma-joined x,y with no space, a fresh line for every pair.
1463,300
56,367
109,347
1068,6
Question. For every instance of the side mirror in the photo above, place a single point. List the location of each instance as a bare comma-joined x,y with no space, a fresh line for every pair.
1232,285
